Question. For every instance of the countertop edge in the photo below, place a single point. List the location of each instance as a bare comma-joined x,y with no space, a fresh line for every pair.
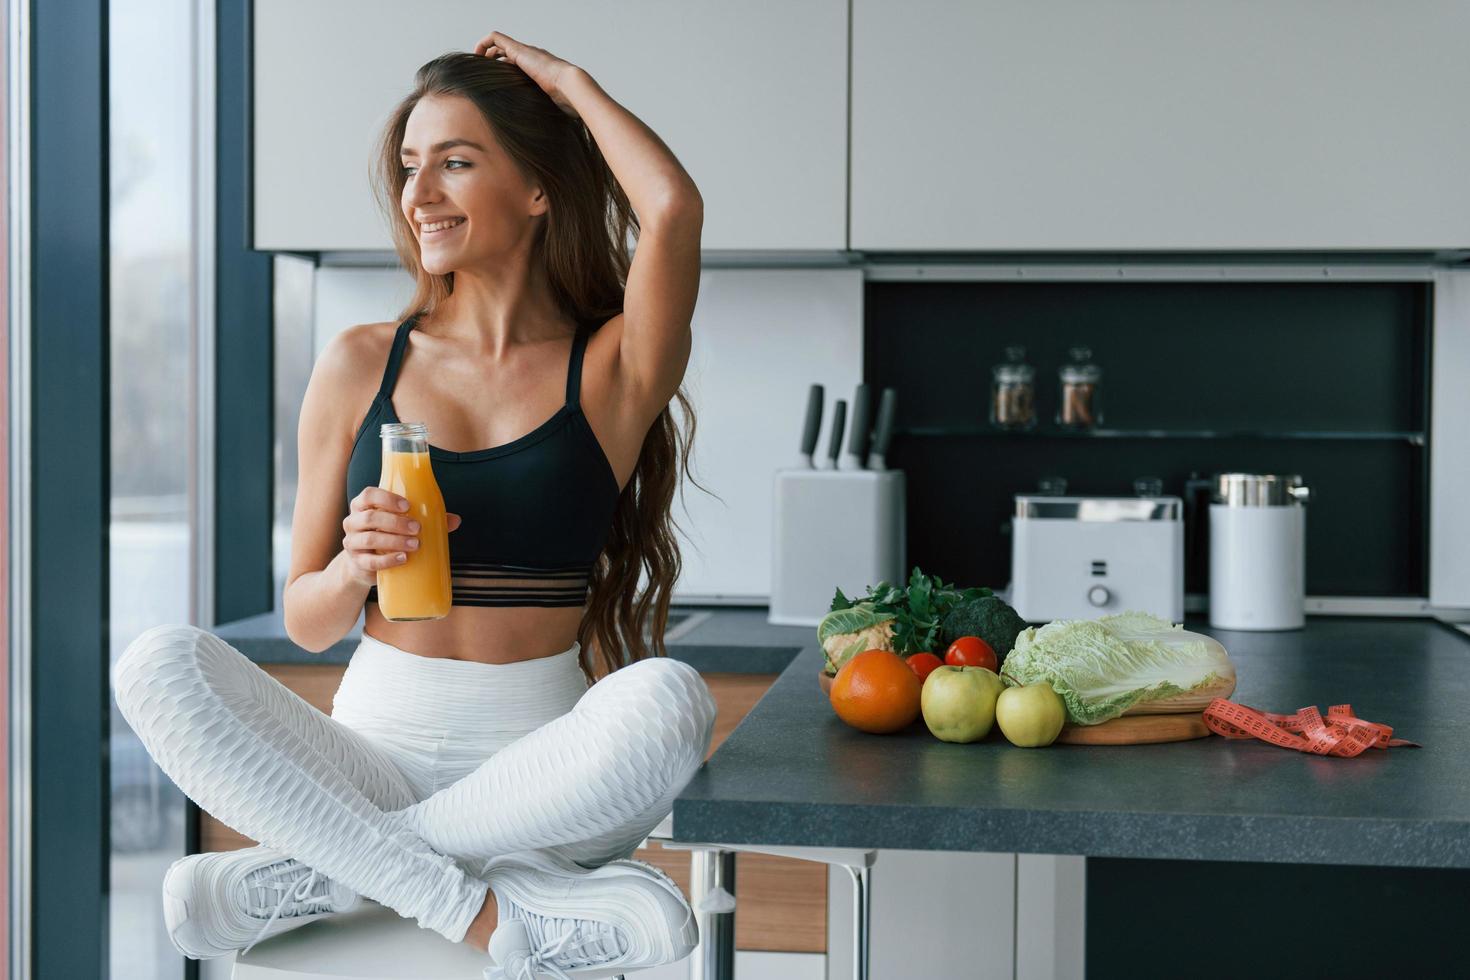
1267,838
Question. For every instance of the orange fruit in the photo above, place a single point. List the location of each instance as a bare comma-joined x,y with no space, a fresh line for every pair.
876,691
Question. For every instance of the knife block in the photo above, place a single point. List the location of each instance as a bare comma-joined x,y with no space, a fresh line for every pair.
833,529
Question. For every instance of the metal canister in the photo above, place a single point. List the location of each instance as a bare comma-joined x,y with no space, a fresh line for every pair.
1258,556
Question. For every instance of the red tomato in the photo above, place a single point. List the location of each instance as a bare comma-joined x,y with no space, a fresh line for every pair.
971,651
923,664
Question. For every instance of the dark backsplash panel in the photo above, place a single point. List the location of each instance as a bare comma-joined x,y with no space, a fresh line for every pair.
1265,365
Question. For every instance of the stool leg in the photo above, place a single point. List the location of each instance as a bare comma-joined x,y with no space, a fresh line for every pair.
714,959
862,914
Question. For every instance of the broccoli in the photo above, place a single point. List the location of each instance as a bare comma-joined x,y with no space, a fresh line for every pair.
988,618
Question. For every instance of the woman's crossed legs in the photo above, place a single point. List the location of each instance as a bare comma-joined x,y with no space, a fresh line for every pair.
591,783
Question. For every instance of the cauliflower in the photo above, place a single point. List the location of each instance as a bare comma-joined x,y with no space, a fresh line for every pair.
841,647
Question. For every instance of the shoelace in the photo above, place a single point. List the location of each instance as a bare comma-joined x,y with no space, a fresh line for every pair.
566,940
658,876
295,885
602,946
666,885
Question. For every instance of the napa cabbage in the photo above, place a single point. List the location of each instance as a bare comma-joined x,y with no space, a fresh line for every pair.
1131,663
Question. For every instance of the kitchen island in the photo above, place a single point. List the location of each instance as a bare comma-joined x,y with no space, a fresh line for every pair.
1370,853
1366,858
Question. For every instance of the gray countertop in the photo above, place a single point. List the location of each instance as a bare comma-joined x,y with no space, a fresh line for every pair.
713,639
793,774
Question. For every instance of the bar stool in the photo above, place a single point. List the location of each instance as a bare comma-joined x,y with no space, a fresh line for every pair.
369,943
712,887
376,943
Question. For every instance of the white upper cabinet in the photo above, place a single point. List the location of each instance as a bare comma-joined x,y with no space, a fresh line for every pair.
1120,124
751,97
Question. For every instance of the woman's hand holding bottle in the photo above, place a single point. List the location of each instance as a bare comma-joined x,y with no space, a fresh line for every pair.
378,533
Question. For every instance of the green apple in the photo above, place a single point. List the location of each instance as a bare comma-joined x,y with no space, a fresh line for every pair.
958,703
1031,716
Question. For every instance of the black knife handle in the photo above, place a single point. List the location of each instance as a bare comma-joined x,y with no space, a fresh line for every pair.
839,416
883,430
862,423
813,420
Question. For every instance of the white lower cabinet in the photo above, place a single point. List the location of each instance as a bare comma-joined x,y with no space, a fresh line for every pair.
1051,908
750,965
960,914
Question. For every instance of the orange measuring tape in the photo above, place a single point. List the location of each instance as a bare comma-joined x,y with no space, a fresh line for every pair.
1341,733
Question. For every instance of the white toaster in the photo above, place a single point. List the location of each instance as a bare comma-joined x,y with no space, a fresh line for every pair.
1085,557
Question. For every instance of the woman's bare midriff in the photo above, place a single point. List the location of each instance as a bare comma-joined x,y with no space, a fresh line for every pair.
486,634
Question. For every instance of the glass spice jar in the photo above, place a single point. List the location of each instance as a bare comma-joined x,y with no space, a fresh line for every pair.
1013,392
1080,406
1148,486
1051,486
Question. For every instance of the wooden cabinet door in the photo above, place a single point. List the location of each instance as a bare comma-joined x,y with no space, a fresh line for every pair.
782,901
751,97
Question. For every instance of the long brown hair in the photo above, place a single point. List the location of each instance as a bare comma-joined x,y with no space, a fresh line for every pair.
583,245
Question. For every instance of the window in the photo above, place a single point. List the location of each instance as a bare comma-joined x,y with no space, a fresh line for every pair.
294,282
153,190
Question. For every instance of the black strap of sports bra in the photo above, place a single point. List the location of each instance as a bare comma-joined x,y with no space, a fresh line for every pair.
400,342
395,358
574,369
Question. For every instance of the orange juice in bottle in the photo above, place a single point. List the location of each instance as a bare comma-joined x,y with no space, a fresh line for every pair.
420,587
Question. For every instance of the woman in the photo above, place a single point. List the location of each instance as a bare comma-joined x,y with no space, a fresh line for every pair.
489,773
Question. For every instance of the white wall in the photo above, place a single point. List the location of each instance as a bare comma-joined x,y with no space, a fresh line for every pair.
349,296
1449,461
761,337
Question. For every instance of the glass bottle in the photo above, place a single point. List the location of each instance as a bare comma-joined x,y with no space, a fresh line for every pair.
1080,406
420,587
1013,392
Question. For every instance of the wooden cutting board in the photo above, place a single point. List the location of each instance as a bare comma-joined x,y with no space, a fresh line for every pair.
1138,730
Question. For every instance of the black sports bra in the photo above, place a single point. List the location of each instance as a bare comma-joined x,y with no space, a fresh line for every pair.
535,512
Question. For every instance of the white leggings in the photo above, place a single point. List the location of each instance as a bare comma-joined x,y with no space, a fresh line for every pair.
427,767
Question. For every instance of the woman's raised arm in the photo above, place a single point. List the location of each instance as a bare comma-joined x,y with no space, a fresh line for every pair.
663,282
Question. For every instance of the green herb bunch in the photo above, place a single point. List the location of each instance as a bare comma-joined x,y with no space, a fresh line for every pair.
916,610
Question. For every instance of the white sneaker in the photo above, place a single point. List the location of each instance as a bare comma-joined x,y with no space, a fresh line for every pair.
560,920
221,901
